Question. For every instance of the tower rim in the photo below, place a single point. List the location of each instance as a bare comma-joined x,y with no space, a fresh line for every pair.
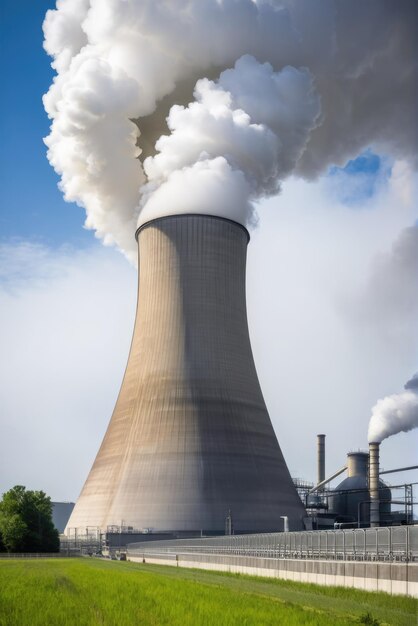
215,217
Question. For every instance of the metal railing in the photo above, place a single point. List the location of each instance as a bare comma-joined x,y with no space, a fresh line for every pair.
81,545
395,543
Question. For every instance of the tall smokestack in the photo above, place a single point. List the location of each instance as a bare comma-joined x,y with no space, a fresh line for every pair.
190,440
374,483
320,460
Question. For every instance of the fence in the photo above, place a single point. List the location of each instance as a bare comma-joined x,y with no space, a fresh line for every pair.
33,555
396,543
79,546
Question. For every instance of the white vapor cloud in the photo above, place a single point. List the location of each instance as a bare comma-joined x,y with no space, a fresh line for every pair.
121,66
231,139
395,414
389,301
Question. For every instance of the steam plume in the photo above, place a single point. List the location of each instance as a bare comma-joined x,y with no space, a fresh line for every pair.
234,144
121,65
396,413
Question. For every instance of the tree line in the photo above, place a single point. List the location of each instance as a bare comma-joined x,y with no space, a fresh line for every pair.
26,522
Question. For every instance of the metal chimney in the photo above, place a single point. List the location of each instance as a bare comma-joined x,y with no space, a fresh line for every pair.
190,437
320,460
374,484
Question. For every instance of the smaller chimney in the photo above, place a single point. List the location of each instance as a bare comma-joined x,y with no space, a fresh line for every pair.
374,484
321,460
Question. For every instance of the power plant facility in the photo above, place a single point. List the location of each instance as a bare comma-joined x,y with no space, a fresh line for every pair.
190,449
190,472
360,500
177,133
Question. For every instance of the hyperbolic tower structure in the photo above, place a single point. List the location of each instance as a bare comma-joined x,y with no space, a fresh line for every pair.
190,438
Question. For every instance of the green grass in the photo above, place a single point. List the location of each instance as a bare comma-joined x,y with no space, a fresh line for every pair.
78,592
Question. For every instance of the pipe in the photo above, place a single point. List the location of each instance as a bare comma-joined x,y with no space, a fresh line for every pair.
399,469
320,458
374,484
328,480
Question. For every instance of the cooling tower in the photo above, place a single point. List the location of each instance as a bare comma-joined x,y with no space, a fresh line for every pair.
190,438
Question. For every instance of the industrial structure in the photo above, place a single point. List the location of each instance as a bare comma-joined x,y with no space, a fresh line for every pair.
346,506
351,499
190,447
361,500
190,453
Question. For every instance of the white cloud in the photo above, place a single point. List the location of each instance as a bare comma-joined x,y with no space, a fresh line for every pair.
322,368
386,305
65,325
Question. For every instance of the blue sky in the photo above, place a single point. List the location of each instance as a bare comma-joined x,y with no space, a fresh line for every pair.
31,205
360,179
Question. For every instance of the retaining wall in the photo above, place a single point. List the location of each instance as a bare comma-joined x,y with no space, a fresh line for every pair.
393,578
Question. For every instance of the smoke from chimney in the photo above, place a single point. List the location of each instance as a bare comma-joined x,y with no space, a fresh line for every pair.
122,66
396,413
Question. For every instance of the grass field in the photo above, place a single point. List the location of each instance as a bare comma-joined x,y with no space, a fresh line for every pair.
91,591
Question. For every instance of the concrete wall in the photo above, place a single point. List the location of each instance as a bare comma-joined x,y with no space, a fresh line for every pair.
393,578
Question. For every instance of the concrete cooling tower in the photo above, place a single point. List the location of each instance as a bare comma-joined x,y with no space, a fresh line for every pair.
190,438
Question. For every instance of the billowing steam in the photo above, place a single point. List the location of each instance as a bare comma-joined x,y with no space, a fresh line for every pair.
233,145
396,413
276,87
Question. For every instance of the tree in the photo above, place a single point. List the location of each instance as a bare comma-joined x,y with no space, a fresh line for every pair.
14,531
26,522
